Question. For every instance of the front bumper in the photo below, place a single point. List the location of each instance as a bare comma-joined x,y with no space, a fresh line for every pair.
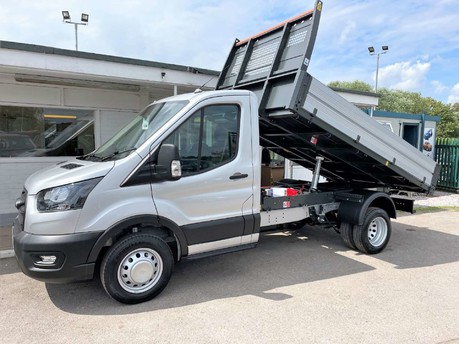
71,252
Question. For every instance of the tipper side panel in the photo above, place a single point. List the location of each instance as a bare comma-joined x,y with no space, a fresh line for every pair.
273,63
357,149
300,118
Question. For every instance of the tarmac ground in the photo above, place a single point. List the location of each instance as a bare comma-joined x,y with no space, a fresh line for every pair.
303,286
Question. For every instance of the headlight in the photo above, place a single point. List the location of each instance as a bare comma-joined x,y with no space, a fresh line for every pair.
65,197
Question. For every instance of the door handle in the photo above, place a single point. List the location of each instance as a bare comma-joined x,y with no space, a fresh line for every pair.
239,175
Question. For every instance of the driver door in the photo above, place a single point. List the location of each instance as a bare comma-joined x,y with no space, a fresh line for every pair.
212,201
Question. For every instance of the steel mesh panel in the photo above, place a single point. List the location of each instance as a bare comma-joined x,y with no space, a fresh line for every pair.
262,58
297,38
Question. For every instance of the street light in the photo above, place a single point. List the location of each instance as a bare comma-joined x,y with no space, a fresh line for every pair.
84,21
372,51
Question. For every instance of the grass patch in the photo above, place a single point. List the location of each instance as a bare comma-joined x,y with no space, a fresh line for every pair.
427,210
423,210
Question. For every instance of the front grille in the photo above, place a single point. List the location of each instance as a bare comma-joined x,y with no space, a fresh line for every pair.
22,209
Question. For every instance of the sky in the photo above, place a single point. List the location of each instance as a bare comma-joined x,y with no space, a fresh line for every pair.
423,36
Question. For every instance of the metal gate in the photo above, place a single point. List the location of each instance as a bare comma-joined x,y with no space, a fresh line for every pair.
447,155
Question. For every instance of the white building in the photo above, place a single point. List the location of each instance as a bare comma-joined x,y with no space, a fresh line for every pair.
56,103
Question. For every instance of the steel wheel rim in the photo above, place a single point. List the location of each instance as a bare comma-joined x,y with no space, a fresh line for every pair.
377,231
140,270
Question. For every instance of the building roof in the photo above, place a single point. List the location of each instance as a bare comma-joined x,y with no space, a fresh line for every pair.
401,115
100,57
35,64
362,93
358,98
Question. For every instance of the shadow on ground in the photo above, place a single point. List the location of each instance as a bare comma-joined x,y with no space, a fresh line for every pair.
416,247
281,259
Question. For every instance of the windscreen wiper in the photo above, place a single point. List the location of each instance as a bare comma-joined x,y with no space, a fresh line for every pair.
117,153
90,156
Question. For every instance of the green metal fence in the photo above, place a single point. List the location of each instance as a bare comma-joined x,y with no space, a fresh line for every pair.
447,155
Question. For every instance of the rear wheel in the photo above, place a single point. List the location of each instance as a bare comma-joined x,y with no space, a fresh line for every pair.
374,234
347,234
136,268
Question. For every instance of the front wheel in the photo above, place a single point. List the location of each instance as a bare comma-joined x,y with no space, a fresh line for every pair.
374,234
136,268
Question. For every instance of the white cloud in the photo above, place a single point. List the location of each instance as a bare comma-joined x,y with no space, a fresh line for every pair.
454,96
348,30
200,33
438,86
405,76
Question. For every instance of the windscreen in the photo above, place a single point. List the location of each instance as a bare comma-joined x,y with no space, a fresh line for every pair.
138,130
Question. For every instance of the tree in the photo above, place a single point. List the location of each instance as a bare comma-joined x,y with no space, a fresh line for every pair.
355,85
401,101
411,102
449,124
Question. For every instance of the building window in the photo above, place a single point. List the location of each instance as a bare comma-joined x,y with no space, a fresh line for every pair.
33,132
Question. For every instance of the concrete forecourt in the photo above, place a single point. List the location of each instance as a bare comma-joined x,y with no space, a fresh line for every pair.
303,286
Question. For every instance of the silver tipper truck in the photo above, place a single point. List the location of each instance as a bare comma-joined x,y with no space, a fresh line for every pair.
182,180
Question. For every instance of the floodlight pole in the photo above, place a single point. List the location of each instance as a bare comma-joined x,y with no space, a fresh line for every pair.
66,19
384,49
76,43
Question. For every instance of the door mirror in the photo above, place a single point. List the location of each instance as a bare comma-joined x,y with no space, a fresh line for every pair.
168,166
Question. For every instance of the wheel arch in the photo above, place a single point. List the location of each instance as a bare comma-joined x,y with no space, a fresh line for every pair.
149,223
353,209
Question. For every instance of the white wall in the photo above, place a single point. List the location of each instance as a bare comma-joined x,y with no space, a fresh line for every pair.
112,109
123,71
109,122
113,105
360,99
13,173
23,94
295,171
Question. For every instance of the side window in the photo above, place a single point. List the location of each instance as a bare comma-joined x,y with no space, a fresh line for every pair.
209,138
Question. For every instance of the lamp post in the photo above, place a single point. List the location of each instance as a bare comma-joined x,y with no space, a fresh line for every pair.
371,50
84,21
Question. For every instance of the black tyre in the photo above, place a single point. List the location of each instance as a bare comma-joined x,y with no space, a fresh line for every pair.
347,234
136,268
373,236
